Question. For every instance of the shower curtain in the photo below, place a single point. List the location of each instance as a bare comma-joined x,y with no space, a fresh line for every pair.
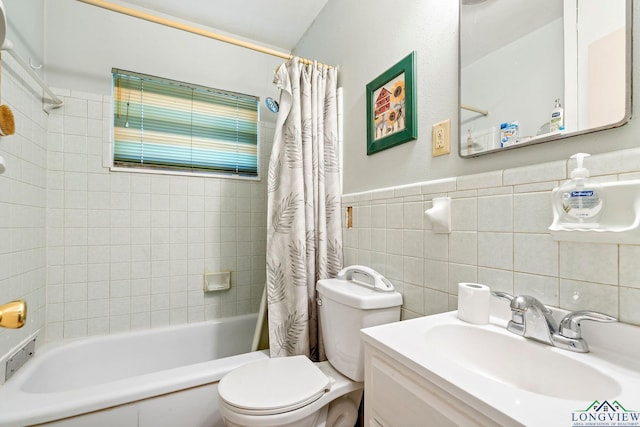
304,231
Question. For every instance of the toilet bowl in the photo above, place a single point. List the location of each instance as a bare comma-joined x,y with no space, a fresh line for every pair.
288,392
295,392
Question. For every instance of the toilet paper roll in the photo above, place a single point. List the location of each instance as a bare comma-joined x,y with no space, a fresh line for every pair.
473,303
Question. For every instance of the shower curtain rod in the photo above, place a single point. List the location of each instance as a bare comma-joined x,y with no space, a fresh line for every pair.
194,30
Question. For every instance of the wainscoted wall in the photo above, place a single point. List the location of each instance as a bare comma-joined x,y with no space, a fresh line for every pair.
22,205
128,250
499,238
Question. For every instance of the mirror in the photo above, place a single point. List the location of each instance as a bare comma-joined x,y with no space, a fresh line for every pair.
517,57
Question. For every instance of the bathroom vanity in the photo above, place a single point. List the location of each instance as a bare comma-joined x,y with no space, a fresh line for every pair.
440,370
397,395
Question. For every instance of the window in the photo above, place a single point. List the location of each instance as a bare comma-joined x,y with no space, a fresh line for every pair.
169,125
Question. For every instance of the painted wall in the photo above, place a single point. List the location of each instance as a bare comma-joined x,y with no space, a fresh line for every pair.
84,42
25,29
501,202
365,41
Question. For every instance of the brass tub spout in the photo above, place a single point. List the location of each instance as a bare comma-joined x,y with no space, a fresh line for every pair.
13,315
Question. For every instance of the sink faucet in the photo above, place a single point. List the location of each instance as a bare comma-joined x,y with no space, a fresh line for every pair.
569,336
532,319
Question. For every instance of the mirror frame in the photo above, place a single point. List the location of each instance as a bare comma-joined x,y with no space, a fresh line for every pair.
628,94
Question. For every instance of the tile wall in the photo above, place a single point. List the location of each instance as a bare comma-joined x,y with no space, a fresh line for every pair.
22,205
499,238
128,250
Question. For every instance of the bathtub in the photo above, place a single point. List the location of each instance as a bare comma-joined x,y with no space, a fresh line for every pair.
157,377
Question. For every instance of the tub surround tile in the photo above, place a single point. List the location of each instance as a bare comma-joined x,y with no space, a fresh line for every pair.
629,271
461,273
629,300
617,162
500,238
435,302
535,253
577,295
141,229
481,180
535,187
495,250
496,279
413,215
544,288
464,214
463,247
436,246
552,171
589,262
413,271
495,213
532,212
439,186
408,190
495,191
436,275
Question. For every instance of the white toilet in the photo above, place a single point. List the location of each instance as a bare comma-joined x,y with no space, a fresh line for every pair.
295,392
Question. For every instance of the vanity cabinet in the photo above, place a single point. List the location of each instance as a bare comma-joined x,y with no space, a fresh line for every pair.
397,396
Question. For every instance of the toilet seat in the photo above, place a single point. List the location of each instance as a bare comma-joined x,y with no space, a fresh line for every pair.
273,386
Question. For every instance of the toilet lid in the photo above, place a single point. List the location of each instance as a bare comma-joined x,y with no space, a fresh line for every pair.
273,386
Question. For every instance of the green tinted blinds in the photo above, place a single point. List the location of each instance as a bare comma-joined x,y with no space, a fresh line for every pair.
160,123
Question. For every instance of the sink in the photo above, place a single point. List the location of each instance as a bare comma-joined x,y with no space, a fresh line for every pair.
511,379
498,355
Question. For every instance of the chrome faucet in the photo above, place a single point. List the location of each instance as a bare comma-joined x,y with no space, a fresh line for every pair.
569,336
532,319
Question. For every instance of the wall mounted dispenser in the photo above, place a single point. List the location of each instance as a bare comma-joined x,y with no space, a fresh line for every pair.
440,214
618,222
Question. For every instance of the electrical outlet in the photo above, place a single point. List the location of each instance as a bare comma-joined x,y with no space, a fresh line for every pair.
440,138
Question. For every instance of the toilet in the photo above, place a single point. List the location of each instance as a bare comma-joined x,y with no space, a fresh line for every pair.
295,392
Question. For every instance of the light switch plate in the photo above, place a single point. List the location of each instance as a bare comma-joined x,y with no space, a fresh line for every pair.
440,138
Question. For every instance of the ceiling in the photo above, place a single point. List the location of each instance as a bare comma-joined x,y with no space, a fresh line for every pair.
278,23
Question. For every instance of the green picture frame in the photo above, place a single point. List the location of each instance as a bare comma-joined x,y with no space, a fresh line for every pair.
391,107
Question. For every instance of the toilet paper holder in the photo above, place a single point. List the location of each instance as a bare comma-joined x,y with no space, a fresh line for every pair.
440,214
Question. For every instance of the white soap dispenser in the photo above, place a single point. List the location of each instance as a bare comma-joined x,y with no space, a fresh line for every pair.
580,200
556,123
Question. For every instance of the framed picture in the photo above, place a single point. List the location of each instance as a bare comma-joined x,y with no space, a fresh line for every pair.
391,107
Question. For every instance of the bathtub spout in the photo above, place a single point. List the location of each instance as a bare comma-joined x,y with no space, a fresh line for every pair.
13,315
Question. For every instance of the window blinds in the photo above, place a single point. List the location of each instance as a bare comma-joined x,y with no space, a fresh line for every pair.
160,123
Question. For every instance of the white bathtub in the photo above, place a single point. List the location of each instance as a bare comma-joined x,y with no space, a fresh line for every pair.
157,377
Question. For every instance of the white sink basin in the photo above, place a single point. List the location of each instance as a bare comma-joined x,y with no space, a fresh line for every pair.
500,357
511,379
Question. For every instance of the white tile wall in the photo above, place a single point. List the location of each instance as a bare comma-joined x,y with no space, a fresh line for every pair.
23,199
499,238
128,250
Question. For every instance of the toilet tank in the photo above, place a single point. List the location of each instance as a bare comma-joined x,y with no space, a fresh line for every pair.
347,304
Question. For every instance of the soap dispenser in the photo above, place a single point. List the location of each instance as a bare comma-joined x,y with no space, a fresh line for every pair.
580,200
557,118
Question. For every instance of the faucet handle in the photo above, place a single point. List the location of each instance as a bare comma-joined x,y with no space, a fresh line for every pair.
570,324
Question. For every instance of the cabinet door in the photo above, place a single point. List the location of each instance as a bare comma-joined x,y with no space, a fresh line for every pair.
398,397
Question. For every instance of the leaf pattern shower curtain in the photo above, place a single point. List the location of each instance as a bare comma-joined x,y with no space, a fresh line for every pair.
304,230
